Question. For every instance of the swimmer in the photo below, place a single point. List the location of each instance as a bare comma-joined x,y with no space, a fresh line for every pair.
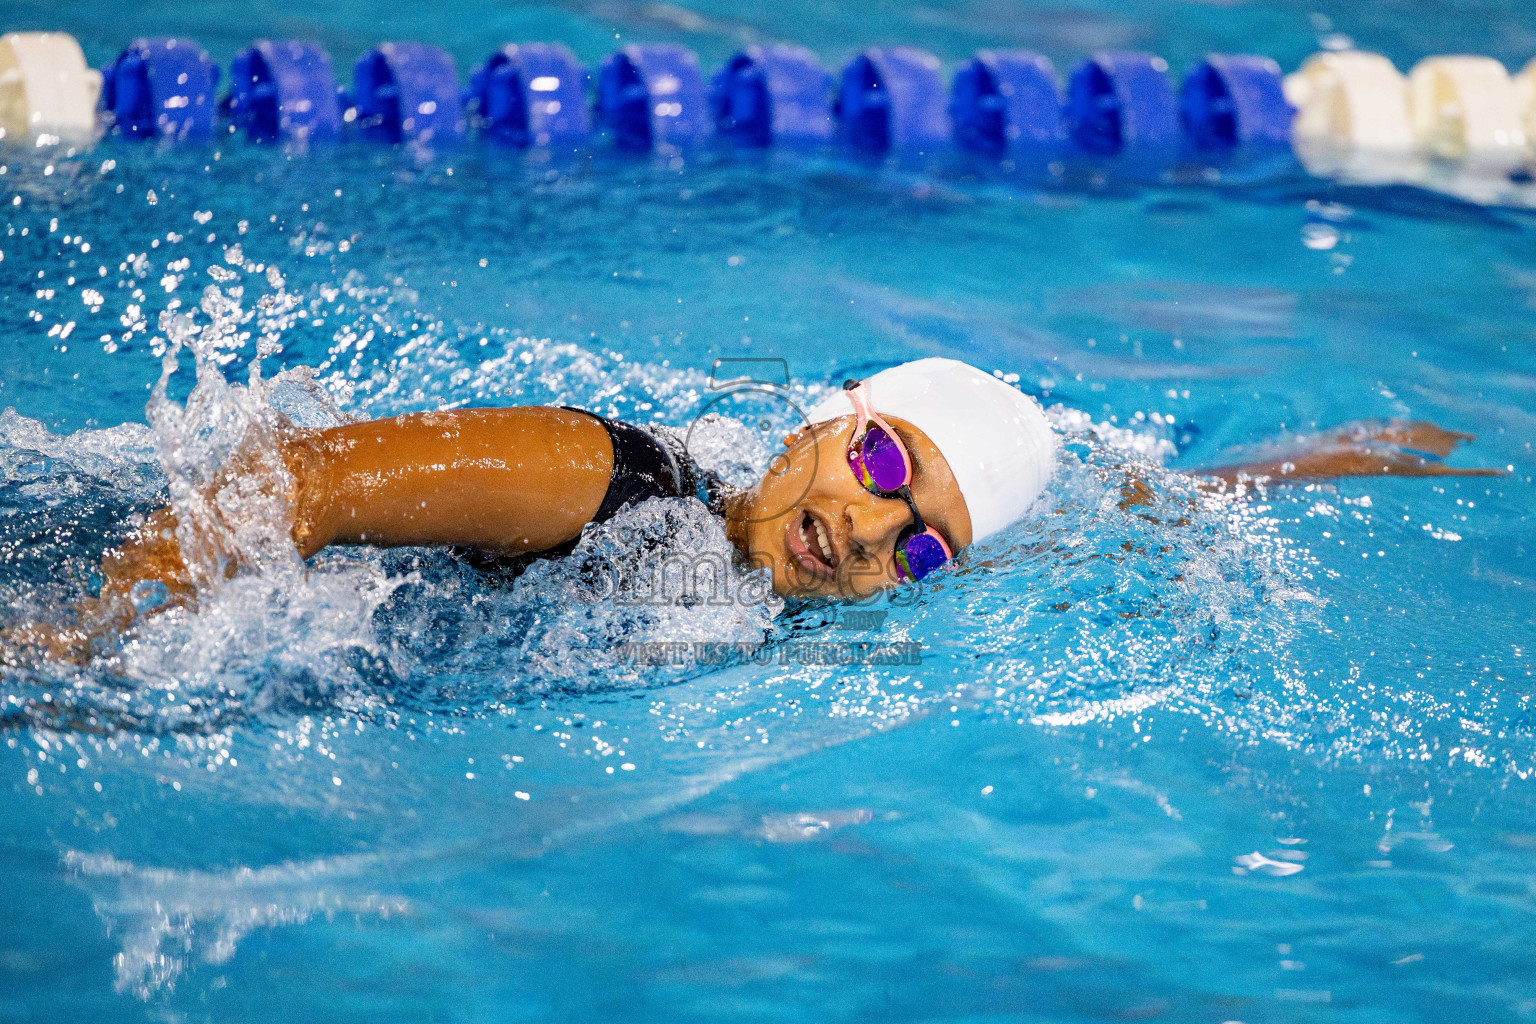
891,479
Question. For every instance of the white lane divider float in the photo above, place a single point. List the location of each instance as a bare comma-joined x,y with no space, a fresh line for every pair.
1466,108
1351,116
46,88
1525,95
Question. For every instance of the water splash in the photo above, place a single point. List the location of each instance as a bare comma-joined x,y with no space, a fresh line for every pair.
1146,591
363,631
221,453
660,573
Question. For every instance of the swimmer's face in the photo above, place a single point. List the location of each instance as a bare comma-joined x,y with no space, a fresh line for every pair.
810,495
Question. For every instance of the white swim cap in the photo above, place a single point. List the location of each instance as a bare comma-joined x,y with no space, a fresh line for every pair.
994,437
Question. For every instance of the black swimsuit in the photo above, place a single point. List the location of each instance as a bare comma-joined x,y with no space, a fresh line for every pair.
645,465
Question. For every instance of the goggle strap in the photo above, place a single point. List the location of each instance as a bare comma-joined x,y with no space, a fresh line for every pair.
917,517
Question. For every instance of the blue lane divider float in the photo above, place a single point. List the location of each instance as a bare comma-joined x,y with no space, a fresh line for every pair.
767,95
1119,104
161,87
652,97
408,92
1006,101
1122,103
283,90
1232,102
893,100
531,94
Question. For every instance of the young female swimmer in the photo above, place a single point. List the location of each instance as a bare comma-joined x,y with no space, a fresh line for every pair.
895,475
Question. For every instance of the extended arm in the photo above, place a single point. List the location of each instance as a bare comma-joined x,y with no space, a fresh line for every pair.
506,481
1359,448
1364,448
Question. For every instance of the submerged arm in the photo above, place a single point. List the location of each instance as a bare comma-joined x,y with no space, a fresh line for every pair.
1360,448
1365,448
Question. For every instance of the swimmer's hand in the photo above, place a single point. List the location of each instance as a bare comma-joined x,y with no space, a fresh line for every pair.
148,561
1360,448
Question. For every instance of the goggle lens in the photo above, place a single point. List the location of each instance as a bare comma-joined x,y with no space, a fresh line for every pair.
883,463
918,555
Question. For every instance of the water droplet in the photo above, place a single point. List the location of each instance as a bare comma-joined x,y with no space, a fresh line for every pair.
147,595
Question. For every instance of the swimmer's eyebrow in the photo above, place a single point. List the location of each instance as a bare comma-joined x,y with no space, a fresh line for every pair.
909,443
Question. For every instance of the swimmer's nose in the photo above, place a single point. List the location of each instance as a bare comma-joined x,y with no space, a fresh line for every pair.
874,523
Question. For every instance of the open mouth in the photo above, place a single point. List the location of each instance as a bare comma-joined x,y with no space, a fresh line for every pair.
811,544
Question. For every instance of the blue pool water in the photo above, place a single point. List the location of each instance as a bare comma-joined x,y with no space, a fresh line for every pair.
1259,758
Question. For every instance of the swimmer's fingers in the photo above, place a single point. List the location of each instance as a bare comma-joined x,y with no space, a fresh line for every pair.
1135,491
1373,461
32,642
1441,469
1414,435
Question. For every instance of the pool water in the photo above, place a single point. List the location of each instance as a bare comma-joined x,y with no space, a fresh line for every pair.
1259,757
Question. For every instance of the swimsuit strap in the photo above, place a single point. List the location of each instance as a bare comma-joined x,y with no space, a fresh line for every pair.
646,464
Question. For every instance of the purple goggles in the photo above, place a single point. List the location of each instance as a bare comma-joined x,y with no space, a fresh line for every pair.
880,462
